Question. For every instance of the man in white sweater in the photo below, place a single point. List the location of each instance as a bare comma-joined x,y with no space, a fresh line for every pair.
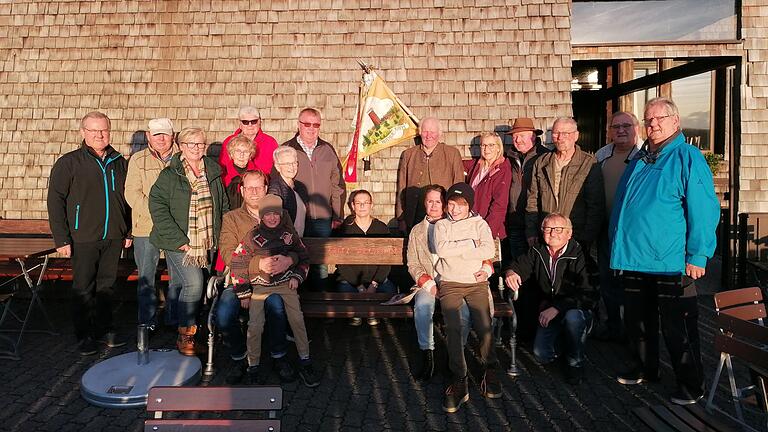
464,242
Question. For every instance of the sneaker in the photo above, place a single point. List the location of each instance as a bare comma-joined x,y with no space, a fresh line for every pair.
284,370
87,346
112,340
574,375
455,395
356,322
237,374
634,377
683,396
309,376
255,377
373,321
490,387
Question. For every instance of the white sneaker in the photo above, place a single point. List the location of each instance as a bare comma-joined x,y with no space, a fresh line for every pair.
373,321
356,322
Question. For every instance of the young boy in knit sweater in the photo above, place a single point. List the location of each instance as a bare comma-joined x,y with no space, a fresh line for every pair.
463,244
274,236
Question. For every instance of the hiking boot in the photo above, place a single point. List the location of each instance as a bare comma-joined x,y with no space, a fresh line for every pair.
255,377
490,387
636,376
427,365
186,340
284,370
455,395
356,322
373,321
683,396
112,340
238,373
87,346
309,376
574,374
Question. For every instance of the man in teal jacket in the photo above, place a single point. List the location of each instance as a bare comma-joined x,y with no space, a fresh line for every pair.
662,231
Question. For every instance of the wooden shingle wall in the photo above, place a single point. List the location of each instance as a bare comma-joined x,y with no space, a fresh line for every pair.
754,108
473,63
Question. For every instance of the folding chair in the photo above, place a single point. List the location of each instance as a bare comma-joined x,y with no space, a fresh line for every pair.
743,304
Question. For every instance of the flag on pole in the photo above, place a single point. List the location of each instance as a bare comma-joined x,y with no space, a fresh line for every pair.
382,121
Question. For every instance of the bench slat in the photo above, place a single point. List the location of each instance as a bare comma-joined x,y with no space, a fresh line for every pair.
202,425
742,328
215,398
737,297
669,417
350,250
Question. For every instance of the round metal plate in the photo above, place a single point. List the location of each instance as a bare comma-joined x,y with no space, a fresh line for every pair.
119,382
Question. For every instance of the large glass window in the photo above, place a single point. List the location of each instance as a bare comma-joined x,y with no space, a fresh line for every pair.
596,22
693,96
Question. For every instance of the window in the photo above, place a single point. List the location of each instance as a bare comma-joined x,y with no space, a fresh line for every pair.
600,22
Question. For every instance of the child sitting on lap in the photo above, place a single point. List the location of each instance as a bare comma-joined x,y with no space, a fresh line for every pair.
274,236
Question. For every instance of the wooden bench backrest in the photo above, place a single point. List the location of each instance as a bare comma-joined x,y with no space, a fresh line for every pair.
361,250
214,398
745,303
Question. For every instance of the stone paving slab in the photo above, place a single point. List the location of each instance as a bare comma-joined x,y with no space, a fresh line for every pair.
366,385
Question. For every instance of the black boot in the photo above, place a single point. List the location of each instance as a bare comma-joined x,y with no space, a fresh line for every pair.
427,365
455,395
237,373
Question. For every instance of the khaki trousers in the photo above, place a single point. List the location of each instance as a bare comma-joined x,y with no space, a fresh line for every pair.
256,322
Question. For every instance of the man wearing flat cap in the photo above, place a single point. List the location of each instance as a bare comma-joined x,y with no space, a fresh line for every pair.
143,169
527,147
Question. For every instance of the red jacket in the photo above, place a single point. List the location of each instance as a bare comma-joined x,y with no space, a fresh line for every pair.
492,195
262,159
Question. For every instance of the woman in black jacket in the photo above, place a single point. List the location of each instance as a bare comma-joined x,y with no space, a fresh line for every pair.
363,278
283,184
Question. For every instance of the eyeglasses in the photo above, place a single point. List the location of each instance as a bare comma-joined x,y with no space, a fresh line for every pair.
253,189
310,125
556,230
487,145
250,122
241,152
192,145
659,119
289,163
564,133
362,204
97,131
622,126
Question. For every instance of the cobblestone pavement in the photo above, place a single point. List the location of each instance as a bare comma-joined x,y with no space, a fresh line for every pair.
366,384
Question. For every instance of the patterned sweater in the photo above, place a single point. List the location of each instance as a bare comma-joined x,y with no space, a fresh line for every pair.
262,242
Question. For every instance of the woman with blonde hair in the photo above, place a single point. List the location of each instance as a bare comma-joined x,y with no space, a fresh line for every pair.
186,204
490,178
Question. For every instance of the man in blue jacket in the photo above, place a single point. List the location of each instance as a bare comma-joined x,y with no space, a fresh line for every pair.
662,231
90,222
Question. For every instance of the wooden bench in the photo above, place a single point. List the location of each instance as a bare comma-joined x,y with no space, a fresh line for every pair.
675,418
204,399
382,251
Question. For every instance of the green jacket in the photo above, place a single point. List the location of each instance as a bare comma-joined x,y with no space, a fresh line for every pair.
169,204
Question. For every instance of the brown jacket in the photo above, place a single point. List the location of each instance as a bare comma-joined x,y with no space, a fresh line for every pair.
581,195
322,177
442,167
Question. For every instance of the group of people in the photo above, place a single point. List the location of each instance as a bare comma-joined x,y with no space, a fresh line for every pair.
648,211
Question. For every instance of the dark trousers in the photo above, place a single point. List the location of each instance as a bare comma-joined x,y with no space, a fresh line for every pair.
94,267
452,296
673,298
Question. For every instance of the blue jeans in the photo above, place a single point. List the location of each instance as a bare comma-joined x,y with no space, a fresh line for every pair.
518,243
191,280
385,287
147,256
226,318
424,310
318,273
573,326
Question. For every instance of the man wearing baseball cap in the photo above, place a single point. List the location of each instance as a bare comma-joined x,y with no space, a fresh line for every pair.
527,147
143,169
